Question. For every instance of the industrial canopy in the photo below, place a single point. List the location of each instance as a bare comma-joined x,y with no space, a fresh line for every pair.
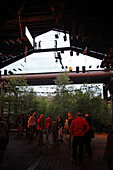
89,24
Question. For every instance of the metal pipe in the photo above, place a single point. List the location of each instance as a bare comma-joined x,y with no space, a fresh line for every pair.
54,75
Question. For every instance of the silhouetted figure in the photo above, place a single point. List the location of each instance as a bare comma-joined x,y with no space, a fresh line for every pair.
3,137
39,45
32,126
60,59
88,137
54,130
70,118
26,126
108,155
40,127
19,124
47,127
60,124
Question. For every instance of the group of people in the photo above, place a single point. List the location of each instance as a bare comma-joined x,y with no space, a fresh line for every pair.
36,124
78,131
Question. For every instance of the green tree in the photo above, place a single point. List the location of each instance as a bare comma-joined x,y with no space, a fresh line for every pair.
13,92
29,102
87,99
63,100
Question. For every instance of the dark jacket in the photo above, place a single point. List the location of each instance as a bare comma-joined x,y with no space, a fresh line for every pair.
60,123
108,155
89,134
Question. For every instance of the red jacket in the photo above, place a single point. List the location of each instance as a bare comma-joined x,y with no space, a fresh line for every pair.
79,126
47,123
40,124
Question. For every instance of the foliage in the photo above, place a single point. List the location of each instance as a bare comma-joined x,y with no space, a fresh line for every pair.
21,99
16,85
14,88
87,99
62,98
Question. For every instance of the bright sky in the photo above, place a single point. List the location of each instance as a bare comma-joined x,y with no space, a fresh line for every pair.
45,62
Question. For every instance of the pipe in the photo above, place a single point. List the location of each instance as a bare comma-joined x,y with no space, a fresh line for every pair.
54,75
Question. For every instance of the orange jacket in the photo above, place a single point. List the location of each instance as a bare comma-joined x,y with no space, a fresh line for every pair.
40,124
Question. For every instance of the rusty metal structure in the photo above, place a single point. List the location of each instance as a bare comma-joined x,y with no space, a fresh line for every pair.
89,24
76,78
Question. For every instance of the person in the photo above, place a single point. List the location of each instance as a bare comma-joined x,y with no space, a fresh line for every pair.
26,126
60,123
70,118
32,126
47,127
24,122
54,130
3,137
66,127
36,125
40,127
6,119
78,127
88,137
108,154
19,125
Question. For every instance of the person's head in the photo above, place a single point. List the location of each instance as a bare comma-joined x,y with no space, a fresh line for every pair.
87,115
69,114
79,114
49,116
66,120
41,116
34,114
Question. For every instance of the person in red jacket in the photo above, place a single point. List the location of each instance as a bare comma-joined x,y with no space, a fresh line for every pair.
40,129
78,127
48,127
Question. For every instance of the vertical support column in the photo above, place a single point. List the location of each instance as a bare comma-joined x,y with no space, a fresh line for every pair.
105,92
111,93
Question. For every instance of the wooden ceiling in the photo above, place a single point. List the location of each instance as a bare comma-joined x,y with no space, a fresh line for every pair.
89,23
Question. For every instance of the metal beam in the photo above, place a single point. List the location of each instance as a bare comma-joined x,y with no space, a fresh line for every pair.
18,57
77,78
